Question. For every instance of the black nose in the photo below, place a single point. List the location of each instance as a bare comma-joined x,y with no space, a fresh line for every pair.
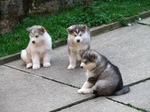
33,42
81,66
78,40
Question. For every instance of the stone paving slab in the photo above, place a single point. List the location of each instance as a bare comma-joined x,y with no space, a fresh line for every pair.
138,97
23,92
145,21
126,47
99,105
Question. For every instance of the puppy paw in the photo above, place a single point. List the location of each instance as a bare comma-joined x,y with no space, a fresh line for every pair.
29,65
71,66
85,91
47,64
80,91
36,66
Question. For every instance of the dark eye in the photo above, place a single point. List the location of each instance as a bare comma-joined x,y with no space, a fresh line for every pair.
75,35
36,36
85,62
80,34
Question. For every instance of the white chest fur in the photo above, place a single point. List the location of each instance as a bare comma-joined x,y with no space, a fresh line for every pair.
89,74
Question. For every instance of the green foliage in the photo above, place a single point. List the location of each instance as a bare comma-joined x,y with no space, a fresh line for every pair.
99,12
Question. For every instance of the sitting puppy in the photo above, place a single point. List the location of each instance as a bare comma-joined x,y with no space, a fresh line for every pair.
38,49
103,78
78,38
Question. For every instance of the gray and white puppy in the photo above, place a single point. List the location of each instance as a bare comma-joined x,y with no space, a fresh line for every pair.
78,38
38,49
103,78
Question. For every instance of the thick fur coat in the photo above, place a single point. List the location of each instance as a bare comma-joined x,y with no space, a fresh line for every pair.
38,49
103,77
78,38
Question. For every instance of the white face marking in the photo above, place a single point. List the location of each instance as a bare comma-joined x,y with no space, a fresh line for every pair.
78,37
77,30
90,66
82,65
35,38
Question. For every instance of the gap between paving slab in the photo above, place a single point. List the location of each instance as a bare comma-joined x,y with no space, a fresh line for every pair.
73,104
47,78
143,24
94,31
146,22
128,105
99,104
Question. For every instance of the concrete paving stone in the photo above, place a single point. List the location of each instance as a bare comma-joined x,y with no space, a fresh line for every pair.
99,105
23,92
58,71
145,21
126,47
138,97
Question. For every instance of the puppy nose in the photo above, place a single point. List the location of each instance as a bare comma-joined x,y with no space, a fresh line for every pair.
81,66
33,42
78,40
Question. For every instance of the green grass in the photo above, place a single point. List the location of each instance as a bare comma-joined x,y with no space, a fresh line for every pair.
99,12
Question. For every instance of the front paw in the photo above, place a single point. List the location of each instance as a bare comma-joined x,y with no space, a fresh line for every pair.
47,64
29,65
80,91
36,66
85,91
71,67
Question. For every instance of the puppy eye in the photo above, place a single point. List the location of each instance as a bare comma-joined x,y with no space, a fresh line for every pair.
80,34
85,62
36,36
75,35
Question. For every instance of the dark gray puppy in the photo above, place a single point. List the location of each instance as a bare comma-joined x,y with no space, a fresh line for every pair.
103,78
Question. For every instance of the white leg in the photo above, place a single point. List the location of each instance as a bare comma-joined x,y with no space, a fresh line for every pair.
46,60
36,61
29,65
78,57
86,88
72,60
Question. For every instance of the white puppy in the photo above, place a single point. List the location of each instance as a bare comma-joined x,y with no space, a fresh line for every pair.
38,49
79,38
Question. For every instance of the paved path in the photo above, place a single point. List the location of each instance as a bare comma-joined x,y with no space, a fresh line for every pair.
55,88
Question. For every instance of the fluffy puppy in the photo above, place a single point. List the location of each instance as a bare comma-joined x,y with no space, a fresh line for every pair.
78,38
38,49
103,78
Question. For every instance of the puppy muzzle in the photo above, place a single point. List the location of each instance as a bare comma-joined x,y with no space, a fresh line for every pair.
33,42
81,65
78,40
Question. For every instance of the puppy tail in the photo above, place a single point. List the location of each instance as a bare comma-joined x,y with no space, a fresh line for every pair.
124,90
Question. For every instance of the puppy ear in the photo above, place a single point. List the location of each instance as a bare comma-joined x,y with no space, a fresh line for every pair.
93,56
84,27
29,29
42,30
69,30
